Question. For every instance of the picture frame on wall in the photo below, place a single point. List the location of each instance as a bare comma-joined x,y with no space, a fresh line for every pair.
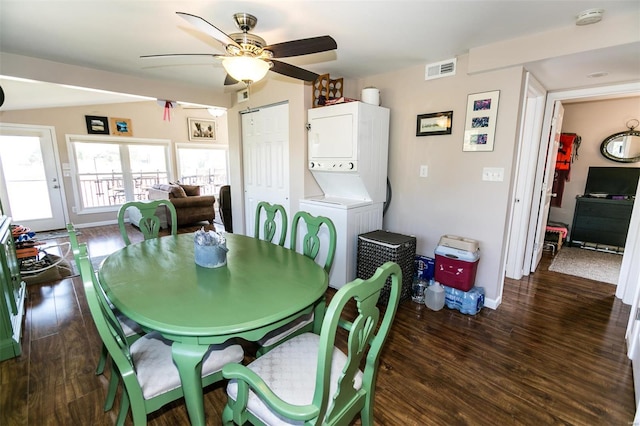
97,125
202,129
480,123
121,126
437,123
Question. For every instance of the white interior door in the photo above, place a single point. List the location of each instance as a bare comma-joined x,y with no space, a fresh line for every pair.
547,183
528,147
30,188
265,151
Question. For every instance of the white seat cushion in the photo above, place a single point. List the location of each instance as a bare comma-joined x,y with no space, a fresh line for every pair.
158,374
129,326
280,333
290,371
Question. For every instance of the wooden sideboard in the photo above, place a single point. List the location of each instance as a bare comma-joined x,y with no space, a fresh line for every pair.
601,221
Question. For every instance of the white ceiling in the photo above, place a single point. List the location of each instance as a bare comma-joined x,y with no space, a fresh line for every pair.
373,37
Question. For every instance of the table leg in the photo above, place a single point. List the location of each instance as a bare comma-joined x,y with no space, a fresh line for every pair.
188,358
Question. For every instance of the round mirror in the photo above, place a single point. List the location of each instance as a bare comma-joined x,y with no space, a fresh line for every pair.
623,147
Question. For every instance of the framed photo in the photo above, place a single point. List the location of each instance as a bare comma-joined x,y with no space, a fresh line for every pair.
480,124
97,125
121,126
202,129
437,123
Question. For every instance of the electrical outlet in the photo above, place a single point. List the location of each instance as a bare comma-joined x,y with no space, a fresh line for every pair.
424,171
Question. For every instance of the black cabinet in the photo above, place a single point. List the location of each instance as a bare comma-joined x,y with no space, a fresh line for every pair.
601,221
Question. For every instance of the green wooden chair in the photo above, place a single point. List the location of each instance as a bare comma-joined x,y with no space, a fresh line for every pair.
310,246
149,223
269,226
132,329
310,243
150,378
307,380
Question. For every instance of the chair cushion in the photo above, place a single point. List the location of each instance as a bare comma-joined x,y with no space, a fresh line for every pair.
129,326
280,333
290,371
191,190
176,191
158,374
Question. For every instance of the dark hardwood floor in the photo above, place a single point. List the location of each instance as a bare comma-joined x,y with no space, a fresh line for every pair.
552,353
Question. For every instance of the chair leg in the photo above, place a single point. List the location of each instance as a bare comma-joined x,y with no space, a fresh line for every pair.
103,360
124,408
227,415
111,392
366,415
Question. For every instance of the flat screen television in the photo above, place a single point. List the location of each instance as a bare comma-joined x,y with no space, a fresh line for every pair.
612,181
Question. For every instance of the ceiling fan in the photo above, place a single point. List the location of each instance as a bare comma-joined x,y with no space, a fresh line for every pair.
248,57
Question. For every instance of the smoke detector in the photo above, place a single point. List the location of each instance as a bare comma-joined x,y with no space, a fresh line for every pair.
589,16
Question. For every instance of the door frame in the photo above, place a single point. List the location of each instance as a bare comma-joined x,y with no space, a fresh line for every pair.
51,133
526,166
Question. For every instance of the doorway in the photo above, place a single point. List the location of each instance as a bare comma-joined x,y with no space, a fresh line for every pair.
31,189
537,207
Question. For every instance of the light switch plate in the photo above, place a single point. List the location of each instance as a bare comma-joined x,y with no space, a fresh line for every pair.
424,171
493,174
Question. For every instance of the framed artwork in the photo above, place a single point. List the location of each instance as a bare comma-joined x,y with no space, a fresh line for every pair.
121,126
437,123
202,129
97,125
480,124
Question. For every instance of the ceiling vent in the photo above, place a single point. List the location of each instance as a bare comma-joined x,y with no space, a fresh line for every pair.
440,69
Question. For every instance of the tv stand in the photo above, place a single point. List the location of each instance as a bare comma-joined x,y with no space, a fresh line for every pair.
601,221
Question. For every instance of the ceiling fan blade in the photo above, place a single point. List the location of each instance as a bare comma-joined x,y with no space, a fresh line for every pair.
293,71
303,46
230,81
208,28
214,55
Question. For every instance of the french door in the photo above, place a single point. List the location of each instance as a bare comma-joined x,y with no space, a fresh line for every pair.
30,188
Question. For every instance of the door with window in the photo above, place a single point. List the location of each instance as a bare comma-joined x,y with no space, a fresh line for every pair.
30,188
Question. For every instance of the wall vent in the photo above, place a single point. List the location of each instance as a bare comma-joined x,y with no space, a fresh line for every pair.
440,69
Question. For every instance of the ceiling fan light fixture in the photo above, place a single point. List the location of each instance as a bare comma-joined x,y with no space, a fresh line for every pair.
245,68
216,112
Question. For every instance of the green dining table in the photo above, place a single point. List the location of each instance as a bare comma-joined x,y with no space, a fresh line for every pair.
263,286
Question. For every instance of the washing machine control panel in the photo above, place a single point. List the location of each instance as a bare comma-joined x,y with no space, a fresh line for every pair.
333,166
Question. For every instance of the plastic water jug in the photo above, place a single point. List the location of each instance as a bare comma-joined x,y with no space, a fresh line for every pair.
434,297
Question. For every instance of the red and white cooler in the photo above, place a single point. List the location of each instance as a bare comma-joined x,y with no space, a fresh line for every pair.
456,262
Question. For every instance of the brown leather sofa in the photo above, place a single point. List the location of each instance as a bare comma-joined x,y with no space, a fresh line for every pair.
191,207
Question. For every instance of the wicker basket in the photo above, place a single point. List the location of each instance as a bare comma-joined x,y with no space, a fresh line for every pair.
377,247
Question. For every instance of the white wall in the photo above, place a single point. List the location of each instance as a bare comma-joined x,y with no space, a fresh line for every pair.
453,199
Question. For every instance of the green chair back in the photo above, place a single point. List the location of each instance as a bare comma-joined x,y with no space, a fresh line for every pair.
310,240
149,223
269,226
114,338
366,336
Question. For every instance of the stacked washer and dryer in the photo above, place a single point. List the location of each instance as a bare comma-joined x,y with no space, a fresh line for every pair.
348,148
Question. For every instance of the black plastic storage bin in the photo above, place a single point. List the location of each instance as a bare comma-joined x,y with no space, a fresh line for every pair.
377,247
